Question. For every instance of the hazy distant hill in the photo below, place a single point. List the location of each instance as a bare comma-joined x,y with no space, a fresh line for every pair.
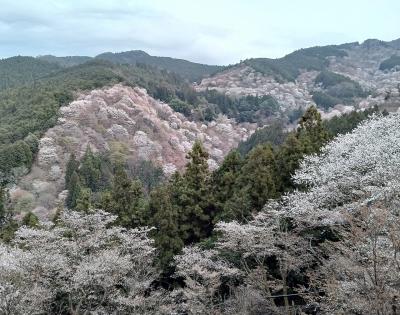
16,71
189,70
67,61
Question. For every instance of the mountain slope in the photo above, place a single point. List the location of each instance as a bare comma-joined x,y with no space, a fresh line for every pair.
189,70
294,80
67,61
127,125
17,71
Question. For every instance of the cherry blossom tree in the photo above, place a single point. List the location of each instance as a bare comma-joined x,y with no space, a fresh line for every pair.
81,265
343,224
204,273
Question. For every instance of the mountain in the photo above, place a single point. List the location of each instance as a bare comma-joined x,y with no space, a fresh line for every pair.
337,78
67,61
125,124
222,110
17,71
189,70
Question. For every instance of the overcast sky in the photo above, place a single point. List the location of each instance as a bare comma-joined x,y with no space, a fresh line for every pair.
207,31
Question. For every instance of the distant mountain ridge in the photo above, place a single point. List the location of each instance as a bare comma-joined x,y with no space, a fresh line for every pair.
191,71
19,70
67,61
285,68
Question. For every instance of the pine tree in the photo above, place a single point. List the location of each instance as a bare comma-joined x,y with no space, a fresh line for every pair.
74,191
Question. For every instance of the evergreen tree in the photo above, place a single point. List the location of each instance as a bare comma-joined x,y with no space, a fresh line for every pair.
288,158
224,183
74,191
90,170
84,201
311,131
72,166
126,200
166,220
33,142
259,177
30,220
194,198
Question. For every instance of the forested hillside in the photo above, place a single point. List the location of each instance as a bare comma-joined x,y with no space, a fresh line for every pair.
190,71
209,252
18,71
268,187
186,69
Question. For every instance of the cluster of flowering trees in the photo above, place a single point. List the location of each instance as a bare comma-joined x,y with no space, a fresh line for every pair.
80,265
330,247
340,231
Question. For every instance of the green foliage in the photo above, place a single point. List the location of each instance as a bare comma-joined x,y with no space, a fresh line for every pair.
288,68
259,176
19,71
149,174
328,78
180,106
337,89
8,225
242,187
30,220
89,171
347,122
165,218
84,201
188,70
273,134
324,100
15,155
74,191
244,109
390,63
289,155
194,202
183,210
72,167
311,132
68,61
126,200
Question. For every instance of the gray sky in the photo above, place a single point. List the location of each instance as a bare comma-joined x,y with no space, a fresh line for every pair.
214,32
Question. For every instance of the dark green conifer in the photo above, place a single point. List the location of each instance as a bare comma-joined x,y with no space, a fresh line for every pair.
90,170
72,166
74,191
166,221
